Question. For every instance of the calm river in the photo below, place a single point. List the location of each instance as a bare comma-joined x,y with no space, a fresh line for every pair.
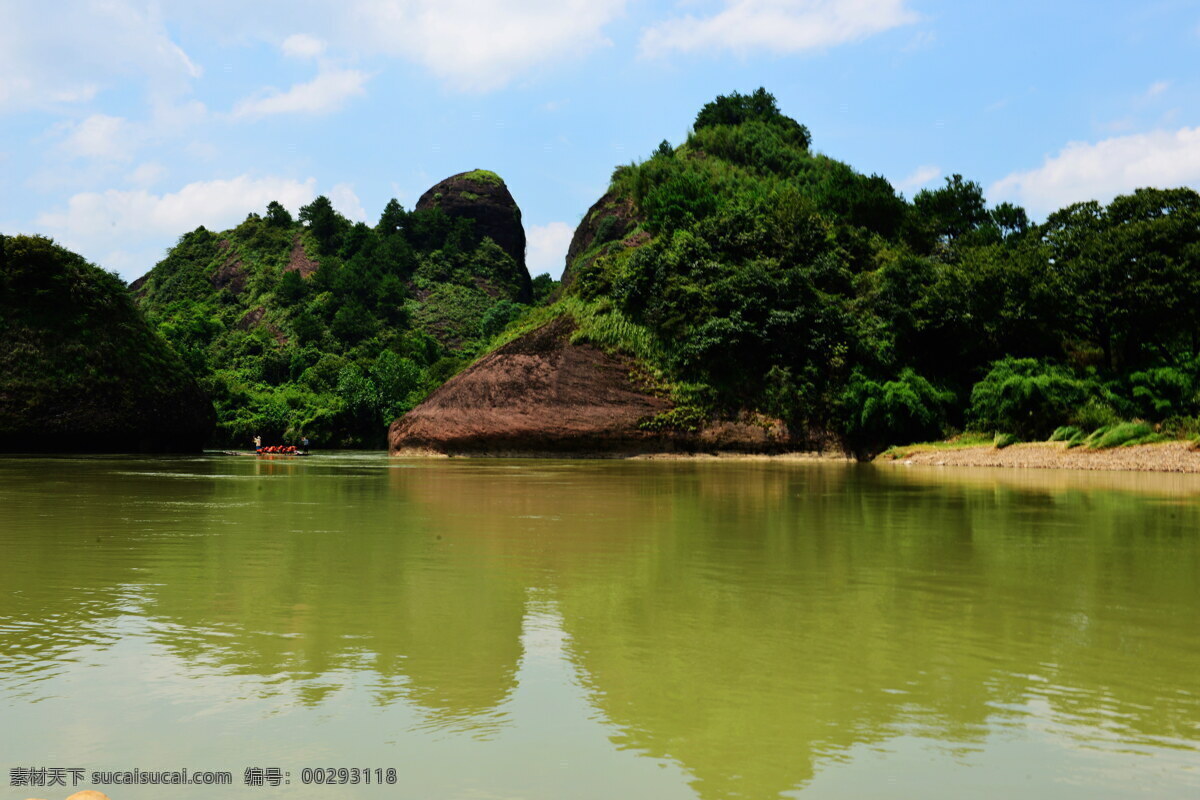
609,630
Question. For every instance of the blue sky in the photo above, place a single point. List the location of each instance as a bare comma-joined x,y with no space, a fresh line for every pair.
125,123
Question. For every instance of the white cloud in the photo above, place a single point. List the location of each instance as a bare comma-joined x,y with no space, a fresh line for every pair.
110,142
919,177
66,51
101,136
780,26
1102,170
100,223
301,45
479,45
547,248
146,175
1157,88
347,203
325,93
472,45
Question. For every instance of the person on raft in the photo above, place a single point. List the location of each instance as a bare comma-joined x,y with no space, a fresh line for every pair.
258,444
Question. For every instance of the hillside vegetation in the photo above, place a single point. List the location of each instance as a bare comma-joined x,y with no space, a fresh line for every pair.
322,328
754,273
80,370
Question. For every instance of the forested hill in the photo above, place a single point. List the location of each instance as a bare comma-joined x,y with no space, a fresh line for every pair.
316,326
742,275
756,273
80,371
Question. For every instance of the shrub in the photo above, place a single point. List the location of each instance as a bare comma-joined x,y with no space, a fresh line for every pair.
1095,435
1065,434
498,317
1178,427
353,323
681,418
907,409
1125,433
607,229
1095,413
1003,440
1162,391
1028,397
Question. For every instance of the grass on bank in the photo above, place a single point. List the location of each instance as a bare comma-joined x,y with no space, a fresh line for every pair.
959,442
1105,437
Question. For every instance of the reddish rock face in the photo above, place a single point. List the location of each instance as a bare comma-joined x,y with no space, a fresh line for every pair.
536,395
298,260
542,395
481,196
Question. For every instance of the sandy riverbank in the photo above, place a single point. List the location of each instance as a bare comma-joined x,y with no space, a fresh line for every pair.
1163,457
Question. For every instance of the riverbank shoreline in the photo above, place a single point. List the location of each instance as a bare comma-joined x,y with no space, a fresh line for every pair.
416,452
1178,456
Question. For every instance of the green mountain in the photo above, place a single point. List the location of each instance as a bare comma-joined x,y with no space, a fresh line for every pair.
753,278
324,328
80,370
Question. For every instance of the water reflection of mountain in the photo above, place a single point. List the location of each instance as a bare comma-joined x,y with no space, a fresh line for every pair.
333,573
750,622
951,609
75,535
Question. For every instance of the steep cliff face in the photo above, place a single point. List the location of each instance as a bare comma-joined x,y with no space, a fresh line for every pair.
612,218
544,395
80,370
482,197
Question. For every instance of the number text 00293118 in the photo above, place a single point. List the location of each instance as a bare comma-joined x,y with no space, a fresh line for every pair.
347,775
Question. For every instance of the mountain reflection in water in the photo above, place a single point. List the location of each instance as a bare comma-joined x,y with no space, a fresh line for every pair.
744,627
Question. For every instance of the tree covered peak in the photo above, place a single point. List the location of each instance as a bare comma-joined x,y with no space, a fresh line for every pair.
758,106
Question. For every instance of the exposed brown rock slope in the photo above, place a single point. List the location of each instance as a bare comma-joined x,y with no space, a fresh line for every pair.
543,395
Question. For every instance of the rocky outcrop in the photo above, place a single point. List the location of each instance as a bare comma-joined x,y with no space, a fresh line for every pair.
543,395
231,275
254,319
482,197
138,285
610,219
80,370
299,261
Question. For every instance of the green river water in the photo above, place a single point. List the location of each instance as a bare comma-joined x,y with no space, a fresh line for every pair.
600,629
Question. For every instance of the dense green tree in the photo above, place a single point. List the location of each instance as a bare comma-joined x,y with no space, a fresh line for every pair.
1010,220
353,322
499,316
906,409
393,218
291,288
759,106
324,222
543,285
1133,273
1029,397
953,210
397,380
278,216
